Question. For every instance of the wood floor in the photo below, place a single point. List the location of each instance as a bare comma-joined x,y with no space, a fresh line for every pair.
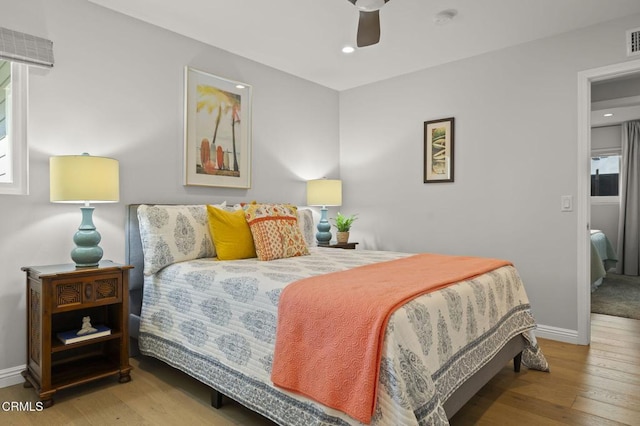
588,385
595,385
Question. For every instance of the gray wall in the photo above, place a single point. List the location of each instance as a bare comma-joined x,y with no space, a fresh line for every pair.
605,215
117,90
516,154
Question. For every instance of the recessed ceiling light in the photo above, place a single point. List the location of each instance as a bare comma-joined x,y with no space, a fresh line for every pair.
609,114
348,49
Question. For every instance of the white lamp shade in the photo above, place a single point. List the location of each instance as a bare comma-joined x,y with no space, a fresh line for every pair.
84,178
324,192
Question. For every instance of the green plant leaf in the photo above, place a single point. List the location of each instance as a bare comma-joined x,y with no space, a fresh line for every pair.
343,223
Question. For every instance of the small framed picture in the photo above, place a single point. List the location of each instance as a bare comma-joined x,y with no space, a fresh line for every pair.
438,150
217,146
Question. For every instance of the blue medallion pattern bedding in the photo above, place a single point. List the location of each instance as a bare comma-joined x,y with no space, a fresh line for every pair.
216,321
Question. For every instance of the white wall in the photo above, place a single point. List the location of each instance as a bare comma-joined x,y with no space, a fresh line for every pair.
117,90
515,155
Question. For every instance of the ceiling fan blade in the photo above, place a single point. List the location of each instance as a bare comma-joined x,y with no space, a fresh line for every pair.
368,28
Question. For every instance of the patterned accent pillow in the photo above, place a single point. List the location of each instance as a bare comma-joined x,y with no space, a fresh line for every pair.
275,231
307,226
173,234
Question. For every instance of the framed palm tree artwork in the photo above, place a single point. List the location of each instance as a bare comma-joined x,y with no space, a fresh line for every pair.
438,150
217,147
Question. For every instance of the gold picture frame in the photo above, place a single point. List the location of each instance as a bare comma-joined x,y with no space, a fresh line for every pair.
438,150
217,141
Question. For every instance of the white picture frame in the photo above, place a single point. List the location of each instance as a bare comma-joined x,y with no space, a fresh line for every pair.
217,142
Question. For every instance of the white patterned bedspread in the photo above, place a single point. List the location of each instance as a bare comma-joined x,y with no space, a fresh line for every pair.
216,321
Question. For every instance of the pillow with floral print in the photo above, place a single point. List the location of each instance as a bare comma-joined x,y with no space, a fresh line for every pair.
173,234
275,231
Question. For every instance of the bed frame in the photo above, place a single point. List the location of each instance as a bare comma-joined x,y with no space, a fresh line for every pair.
134,256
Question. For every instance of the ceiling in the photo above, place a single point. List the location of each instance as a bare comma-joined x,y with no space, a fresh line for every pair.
615,100
305,37
620,112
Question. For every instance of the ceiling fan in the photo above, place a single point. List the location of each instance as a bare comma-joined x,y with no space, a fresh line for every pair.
369,23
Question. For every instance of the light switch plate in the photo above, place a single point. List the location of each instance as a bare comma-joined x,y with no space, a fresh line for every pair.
566,203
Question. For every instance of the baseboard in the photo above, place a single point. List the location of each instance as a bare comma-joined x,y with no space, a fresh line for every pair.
11,376
556,333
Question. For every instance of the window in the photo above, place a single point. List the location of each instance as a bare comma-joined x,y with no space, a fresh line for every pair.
13,125
5,96
18,51
605,175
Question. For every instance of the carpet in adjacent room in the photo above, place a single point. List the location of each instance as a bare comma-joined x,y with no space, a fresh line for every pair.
619,295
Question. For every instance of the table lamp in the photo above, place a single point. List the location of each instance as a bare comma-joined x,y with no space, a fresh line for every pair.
84,179
324,192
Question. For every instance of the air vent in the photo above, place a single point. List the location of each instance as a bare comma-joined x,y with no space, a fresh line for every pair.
633,42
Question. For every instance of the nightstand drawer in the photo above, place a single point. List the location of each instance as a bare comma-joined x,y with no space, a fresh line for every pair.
90,291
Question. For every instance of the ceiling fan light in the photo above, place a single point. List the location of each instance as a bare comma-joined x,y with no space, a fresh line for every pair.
369,5
348,49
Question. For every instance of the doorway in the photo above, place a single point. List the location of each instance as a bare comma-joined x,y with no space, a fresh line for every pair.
583,207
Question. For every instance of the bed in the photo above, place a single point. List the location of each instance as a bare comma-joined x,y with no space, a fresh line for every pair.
216,321
603,257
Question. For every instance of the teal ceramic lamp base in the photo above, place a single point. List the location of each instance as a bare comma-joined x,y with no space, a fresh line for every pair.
87,252
323,236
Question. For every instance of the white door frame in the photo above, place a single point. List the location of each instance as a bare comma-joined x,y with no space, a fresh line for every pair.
583,208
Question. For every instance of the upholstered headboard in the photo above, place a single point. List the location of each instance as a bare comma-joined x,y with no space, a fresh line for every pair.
134,257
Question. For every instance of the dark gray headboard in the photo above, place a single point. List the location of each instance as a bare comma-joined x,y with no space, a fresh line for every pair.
133,256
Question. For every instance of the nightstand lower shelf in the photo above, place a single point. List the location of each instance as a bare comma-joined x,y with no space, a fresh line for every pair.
74,372
69,374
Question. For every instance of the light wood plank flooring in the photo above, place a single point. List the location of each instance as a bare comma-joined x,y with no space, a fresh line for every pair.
588,385
595,385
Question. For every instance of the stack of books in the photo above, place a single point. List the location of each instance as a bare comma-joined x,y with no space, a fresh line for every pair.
71,336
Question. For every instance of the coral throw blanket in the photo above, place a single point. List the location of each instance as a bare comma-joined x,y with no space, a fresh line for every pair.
331,327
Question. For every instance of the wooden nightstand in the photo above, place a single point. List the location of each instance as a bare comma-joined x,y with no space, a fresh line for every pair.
58,297
346,246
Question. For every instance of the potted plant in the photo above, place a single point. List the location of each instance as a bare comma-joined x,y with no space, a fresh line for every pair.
343,224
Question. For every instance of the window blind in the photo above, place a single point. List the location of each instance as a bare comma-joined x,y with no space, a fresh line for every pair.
20,47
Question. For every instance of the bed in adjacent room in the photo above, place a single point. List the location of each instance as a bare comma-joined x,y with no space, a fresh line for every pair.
218,321
603,257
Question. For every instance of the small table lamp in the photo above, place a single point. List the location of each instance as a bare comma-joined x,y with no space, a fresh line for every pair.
324,192
84,179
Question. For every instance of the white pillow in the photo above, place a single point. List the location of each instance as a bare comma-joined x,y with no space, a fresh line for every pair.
307,226
173,234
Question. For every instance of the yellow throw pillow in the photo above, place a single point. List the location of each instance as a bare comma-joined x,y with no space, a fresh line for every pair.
231,234
275,231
